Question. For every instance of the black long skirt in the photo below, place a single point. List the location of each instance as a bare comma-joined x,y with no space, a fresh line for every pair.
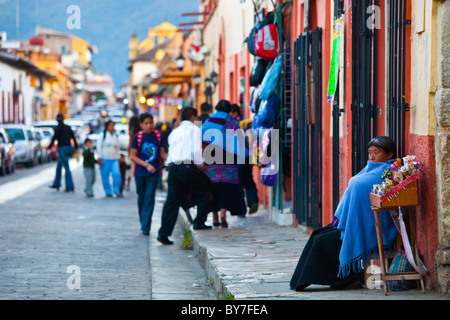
319,261
228,196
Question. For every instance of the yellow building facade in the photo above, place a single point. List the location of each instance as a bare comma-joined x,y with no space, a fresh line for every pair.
156,36
148,59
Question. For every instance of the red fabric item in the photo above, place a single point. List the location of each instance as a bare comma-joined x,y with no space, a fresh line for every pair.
267,44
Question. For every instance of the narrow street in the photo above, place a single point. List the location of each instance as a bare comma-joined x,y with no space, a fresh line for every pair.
45,232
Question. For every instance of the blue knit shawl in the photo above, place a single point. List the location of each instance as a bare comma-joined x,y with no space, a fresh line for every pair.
220,122
356,220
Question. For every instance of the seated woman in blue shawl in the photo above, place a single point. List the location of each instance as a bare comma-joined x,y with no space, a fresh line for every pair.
335,254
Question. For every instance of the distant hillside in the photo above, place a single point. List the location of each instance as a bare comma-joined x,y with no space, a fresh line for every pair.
107,24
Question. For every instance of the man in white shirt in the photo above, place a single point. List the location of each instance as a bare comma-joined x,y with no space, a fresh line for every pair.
185,142
184,160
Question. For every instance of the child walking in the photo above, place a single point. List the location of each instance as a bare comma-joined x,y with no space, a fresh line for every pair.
124,166
147,152
89,167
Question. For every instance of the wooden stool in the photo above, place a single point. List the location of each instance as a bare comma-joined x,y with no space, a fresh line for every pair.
383,262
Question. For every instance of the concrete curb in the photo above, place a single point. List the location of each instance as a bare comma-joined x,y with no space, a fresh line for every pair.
227,283
201,252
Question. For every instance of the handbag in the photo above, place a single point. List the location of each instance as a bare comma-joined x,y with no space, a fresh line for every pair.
268,179
400,264
269,171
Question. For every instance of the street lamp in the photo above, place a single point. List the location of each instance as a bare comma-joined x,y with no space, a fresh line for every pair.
209,89
180,61
208,84
213,76
197,79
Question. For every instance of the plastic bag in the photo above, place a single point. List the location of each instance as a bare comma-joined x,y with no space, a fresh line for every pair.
271,79
268,111
258,72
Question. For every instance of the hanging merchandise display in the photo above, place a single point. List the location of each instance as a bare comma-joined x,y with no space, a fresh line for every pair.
267,44
272,78
251,39
255,100
269,169
268,19
334,70
258,71
267,102
268,111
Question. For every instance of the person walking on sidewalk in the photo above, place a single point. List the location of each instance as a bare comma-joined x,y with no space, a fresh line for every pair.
206,109
64,135
227,193
108,159
184,160
89,162
246,180
133,127
123,166
147,152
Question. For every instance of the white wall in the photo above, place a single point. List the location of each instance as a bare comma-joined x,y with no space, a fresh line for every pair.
28,96
8,75
424,66
140,70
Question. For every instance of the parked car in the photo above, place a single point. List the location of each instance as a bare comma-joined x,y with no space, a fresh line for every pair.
45,124
36,144
22,143
77,127
45,142
7,154
49,133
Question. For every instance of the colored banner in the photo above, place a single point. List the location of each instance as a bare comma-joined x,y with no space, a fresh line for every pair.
334,70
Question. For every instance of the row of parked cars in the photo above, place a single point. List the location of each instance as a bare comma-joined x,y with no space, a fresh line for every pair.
27,145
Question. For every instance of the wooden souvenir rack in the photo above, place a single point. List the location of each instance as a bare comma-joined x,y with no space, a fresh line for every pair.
404,196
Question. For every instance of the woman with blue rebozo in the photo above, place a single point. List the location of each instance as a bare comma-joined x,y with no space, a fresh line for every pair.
335,254
222,153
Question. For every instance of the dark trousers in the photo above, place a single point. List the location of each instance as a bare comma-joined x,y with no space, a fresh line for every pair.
183,178
248,184
146,188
